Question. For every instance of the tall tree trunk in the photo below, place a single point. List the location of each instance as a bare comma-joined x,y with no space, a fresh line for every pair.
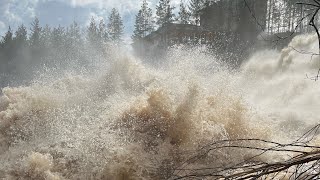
269,16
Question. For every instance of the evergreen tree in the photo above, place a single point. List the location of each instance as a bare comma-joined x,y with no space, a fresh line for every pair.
102,32
207,3
92,32
195,6
8,51
138,32
164,13
73,33
20,44
149,20
144,22
73,41
57,37
7,44
7,39
35,33
21,36
45,38
184,14
115,26
21,51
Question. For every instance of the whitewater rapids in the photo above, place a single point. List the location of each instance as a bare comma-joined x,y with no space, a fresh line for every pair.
129,120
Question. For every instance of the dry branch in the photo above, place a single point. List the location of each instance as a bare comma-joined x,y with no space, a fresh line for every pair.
303,161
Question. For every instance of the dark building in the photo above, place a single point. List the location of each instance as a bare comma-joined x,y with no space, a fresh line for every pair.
173,34
246,18
229,26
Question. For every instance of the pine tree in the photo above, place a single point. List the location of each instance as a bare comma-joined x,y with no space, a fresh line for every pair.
195,6
169,16
7,39
73,43
74,33
21,36
143,23
164,13
73,39
184,15
115,26
148,21
8,50
102,32
35,33
58,37
138,32
46,36
207,3
92,32
20,48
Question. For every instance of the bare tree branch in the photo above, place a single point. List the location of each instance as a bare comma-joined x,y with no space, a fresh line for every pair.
304,164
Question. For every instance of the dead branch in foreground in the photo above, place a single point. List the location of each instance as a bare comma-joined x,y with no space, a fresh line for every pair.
302,162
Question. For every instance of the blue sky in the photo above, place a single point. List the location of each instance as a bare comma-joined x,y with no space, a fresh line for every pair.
63,12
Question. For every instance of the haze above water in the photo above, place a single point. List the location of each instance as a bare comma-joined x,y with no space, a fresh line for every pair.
128,119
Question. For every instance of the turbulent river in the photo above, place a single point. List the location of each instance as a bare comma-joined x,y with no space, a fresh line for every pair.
130,120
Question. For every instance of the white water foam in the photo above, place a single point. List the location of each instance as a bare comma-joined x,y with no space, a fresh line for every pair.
132,121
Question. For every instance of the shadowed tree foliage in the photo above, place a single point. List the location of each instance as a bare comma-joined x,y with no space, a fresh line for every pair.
35,33
195,6
21,36
102,32
23,53
184,14
115,27
7,51
144,23
138,32
164,12
92,32
46,36
7,38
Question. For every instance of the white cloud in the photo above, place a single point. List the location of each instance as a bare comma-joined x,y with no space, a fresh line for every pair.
94,15
3,28
84,2
124,6
2,25
12,16
14,11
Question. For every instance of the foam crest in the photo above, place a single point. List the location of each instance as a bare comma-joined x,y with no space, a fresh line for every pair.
132,120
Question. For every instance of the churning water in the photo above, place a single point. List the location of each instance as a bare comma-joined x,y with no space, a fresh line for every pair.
128,120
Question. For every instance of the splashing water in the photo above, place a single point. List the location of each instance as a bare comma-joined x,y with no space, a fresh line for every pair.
132,121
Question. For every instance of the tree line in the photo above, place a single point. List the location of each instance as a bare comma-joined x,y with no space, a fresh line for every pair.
289,16
23,52
146,22
282,15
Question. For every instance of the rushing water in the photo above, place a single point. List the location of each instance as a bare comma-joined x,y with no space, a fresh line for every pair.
129,120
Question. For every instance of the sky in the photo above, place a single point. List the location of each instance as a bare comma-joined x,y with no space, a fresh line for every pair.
64,12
